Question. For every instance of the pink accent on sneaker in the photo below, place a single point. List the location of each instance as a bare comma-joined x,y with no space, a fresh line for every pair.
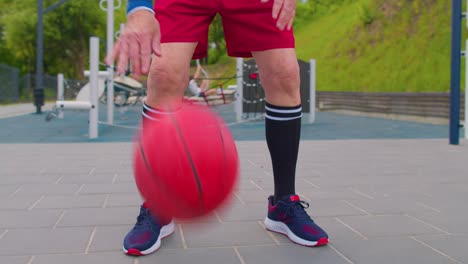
271,208
141,239
310,230
294,198
322,242
134,252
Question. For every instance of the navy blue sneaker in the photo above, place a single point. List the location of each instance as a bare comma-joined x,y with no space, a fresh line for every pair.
288,217
146,235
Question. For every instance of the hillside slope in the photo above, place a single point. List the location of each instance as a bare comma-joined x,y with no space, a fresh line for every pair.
380,45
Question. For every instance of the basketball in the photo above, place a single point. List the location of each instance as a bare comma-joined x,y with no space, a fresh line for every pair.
185,163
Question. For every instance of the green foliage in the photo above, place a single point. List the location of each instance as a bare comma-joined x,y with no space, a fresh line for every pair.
67,30
367,14
405,48
216,38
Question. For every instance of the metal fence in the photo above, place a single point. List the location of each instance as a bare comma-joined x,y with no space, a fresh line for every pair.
9,83
14,88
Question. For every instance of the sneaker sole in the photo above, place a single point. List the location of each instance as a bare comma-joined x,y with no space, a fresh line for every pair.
166,231
282,228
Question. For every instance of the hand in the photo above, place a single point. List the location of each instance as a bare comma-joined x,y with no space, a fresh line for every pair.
284,11
139,40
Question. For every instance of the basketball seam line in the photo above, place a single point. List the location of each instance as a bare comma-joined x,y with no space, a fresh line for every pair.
192,165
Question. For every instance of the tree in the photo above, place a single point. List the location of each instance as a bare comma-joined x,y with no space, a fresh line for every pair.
67,30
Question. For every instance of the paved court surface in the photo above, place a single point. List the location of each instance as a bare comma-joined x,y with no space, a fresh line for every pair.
382,200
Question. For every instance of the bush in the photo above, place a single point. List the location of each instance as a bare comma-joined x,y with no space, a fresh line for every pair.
367,14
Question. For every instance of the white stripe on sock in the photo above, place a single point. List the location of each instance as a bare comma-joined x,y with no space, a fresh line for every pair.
284,111
282,118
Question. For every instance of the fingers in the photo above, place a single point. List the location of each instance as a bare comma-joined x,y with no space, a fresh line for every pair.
277,8
122,62
109,60
291,22
135,56
139,40
287,14
156,44
145,47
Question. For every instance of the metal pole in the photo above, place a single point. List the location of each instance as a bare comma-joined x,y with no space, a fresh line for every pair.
312,90
60,93
455,73
110,46
465,125
94,83
240,88
38,89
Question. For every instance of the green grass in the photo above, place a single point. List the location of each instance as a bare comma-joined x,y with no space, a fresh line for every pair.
359,48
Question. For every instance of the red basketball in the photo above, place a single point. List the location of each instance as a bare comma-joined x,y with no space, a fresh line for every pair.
185,163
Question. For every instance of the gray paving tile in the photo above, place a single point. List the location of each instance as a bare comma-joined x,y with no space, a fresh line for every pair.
125,178
246,183
23,242
389,205
444,202
253,196
7,190
109,238
14,260
47,189
193,256
99,216
313,195
454,222
405,171
390,251
29,219
387,225
289,254
225,234
243,212
332,208
87,179
92,258
21,203
453,246
109,188
77,201
387,191
19,178
124,199
64,170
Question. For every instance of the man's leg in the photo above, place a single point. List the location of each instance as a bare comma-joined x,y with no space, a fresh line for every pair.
167,81
279,73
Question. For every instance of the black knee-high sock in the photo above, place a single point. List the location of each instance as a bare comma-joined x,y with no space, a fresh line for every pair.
283,132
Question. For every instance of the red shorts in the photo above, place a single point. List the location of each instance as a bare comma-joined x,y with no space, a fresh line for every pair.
248,25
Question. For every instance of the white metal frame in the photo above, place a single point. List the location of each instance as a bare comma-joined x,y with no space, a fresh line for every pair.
465,124
93,104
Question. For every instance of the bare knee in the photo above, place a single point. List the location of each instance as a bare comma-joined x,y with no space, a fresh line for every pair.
166,81
166,78
281,83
